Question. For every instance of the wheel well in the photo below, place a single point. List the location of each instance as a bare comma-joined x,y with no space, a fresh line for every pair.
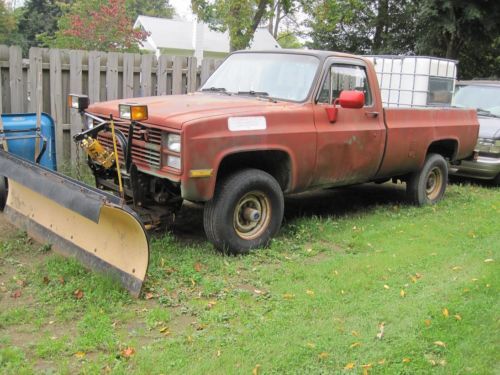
447,148
276,163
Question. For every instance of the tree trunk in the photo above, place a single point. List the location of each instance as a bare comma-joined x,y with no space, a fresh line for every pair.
381,22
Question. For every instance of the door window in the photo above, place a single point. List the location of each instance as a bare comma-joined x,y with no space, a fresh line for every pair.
344,77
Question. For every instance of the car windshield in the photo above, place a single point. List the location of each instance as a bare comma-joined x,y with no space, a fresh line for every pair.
274,75
486,99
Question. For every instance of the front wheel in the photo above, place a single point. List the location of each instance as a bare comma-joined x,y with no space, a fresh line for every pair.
428,185
245,212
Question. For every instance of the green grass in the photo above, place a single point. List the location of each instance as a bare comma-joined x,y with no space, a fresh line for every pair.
311,303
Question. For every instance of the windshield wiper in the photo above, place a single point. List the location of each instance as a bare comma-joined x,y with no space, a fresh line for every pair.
485,112
258,94
216,89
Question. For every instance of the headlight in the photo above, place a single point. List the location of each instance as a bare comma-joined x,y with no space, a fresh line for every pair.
174,142
174,162
488,145
80,102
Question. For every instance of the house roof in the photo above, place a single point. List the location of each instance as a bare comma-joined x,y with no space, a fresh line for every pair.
179,34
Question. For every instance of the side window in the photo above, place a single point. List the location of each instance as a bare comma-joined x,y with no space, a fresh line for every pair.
344,77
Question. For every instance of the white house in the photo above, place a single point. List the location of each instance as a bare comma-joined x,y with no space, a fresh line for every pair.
186,38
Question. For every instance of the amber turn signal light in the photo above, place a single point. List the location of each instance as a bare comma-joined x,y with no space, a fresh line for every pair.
133,112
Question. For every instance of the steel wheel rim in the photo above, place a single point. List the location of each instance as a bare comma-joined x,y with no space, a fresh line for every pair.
434,183
246,228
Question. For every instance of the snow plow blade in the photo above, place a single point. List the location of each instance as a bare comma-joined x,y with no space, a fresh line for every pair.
77,220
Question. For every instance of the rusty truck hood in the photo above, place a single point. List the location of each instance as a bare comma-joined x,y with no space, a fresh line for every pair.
174,110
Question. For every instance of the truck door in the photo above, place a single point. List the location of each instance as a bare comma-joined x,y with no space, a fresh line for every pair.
350,149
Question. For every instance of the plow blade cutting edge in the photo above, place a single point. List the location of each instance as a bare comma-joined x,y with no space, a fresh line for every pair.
77,220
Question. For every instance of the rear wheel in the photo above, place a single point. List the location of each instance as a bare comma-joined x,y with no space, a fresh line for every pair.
428,185
4,189
245,213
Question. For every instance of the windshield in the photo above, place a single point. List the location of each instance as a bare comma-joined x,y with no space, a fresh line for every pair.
277,75
486,98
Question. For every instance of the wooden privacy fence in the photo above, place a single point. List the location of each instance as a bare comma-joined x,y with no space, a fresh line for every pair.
47,77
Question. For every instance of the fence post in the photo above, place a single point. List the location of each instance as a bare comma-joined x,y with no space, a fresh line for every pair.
75,86
146,82
16,79
191,74
128,75
112,76
177,75
94,76
57,101
34,73
162,74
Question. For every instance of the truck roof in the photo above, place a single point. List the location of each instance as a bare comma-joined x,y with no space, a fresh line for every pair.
479,82
322,55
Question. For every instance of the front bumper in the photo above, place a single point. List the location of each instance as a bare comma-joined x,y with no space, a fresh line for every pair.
484,168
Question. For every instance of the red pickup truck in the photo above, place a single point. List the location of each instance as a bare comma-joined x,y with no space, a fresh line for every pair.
269,124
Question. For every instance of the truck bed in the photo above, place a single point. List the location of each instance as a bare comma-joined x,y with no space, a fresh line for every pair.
411,131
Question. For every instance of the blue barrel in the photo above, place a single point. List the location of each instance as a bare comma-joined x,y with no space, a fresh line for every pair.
24,125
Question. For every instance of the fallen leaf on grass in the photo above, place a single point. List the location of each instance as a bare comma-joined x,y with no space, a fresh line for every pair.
211,304
288,296
355,333
309,292
457,317
219,353
413,279
427,322
355,345
406,360
311,345
366,368
78,294
165,331
256,370
456,268
79,355
61,280
387,286
198,267
402,293
440,343
149,295
21,283
381,362
489,260
128,352
418,275
446,313
46,280
323,355
349,366
381,328
16,293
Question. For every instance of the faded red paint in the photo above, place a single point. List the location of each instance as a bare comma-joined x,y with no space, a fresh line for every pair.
363,144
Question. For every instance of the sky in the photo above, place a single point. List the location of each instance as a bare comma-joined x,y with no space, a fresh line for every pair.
183,8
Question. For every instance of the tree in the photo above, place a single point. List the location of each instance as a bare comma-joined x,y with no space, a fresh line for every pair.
289,40
98,25
239,17
153,8
363,27
37,19
468,31
7,24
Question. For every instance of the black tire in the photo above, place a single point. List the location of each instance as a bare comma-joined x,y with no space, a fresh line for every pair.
428,185
4,189
496,181
230,219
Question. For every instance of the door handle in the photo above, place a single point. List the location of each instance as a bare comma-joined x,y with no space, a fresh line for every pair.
371,114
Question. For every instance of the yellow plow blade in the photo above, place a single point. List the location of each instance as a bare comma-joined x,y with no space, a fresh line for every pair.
77,221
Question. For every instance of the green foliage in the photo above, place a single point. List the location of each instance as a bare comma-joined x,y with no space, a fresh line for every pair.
153,8
7,24
97,25
468,31
288,40
239,17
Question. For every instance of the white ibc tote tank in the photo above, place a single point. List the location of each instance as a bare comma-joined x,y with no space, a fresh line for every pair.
415,81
